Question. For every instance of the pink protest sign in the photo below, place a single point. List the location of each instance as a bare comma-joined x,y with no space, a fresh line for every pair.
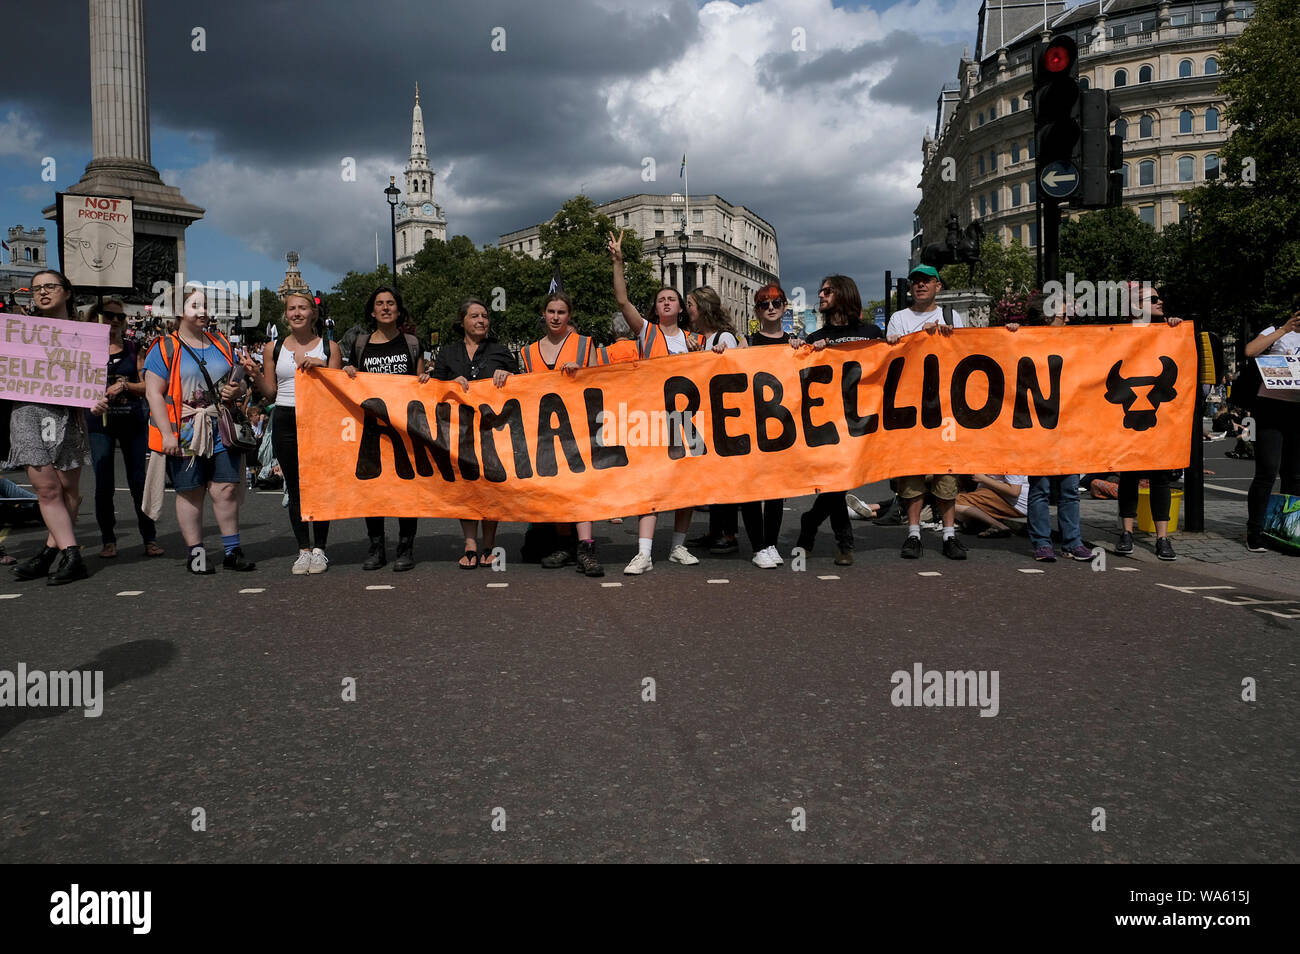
52,360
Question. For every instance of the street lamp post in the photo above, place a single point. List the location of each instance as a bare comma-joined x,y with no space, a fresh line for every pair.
662,250
685,242
392,193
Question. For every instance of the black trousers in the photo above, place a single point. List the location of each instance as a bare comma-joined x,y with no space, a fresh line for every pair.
284,440
1160,493
1277,451
762,522
827,505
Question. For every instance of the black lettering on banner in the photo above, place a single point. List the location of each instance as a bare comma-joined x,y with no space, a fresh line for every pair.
551,406
375,425
602,457
425,446
720,385
465,444
675,387
1048,408
816,435
857,424
931,407
976,418
896,418
771,410
489,421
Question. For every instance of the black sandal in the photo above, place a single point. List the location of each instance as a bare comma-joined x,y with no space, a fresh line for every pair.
472,555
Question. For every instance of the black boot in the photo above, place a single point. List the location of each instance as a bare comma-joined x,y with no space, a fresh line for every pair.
38,566
71,568
405,554
377,557
235,561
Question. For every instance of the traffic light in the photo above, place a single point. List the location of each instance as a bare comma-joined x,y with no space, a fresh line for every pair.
1101,154
1056,117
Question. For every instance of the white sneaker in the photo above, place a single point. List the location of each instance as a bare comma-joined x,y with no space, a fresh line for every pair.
775,555
763,558
857,509
302,565
284,501
319,561
640,564
683,556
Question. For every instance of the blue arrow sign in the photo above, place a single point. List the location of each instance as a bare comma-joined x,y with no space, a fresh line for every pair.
1059,179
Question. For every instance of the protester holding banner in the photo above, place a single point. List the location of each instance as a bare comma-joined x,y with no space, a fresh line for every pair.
50,440
385,349
1277,430
564,349
763,520
302,350
659,336
474,354
1146,306
840,304
187,378
124,424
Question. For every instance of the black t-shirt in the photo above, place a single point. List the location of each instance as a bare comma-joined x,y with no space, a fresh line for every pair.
387,357
863,331
758,338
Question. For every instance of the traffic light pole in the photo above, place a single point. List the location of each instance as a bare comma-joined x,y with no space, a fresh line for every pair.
1194,478
1050,212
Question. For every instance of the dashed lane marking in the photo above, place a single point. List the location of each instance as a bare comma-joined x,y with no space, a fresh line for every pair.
828,576
718,581
9,596
1030,569
929,573
254,589
497,586
131,593
380,586
611,584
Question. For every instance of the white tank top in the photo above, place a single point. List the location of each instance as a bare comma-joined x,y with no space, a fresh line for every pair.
287,366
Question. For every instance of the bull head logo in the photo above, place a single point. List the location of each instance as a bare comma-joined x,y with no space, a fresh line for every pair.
1122,390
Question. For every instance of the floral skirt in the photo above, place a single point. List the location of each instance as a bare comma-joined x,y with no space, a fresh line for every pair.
42,434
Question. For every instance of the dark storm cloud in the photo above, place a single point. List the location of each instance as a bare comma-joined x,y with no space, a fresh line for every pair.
912,80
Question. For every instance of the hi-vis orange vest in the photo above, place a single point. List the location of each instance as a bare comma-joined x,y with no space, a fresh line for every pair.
655,345
624,350
576,348
171,346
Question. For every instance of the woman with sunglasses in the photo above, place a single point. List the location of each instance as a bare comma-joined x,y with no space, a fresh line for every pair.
763,520
124,424
474,354
50,441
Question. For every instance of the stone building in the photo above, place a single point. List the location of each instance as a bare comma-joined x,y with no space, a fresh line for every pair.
729,247
419,218
1158,60
26,256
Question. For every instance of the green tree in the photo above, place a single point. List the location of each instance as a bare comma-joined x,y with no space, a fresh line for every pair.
1000,269
347,300
270,311
1108,245
1248,219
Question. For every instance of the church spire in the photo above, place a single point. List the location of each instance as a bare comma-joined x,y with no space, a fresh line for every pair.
419,155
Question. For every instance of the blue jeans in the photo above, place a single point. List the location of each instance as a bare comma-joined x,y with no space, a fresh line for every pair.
1067,511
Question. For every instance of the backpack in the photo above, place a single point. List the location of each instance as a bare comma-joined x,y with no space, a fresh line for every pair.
279,346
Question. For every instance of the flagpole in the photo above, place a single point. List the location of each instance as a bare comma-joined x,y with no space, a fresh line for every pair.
376,251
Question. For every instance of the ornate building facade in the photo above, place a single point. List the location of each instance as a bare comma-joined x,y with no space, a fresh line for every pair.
419,218
1158,60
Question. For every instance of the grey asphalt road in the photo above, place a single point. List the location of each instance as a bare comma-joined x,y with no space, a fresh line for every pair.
518,701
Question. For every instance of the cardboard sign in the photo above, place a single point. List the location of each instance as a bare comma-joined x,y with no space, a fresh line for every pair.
98,241
52,361
750,424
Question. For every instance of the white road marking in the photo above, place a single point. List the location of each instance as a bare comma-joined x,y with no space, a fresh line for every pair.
254,589
497,586
828,576
1228,490
381,586
717,581
611,584
929,573
1030,570
1128,569
9,596
131,593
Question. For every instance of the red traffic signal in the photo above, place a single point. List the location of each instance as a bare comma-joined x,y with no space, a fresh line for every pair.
1059,55
318,299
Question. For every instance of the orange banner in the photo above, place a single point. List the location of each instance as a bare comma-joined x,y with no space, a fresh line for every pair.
750,424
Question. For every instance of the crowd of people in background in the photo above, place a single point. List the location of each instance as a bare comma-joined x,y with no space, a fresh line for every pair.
190,410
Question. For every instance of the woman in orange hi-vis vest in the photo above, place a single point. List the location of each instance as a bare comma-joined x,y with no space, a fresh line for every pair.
664,334
564,349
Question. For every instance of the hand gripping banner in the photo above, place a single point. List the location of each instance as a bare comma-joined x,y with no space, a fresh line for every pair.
750,424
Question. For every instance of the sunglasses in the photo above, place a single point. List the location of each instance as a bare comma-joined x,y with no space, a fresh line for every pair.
770,303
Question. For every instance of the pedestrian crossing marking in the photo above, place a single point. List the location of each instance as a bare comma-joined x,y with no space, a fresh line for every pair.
719,581
497,586
828,576
611,584
381,586
254,589
929,573
9,596
131,593
1030,570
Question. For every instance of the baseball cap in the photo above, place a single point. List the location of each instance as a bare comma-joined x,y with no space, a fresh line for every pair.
927,270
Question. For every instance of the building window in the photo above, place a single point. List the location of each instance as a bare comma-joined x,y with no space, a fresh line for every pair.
626,218
993,201
1184,67
428,235
1211,120
981,165
1209,16
697,215
1144,75
1015,104
984,207
1182,211
1186,167
1121,78
1146,172
981,119
1084,83
1121,128
1015,195
1211,166
993,112
1185,121
659,215
659,233
1180,19
1032,147
1147,214
403,243
1033,190
1146,127
1124,174
993,162
1211,66
1015,152
1033,233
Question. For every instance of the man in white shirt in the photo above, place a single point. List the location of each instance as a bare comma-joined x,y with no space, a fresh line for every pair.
925,315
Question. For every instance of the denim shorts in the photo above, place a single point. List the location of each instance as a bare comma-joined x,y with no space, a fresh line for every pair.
195,473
